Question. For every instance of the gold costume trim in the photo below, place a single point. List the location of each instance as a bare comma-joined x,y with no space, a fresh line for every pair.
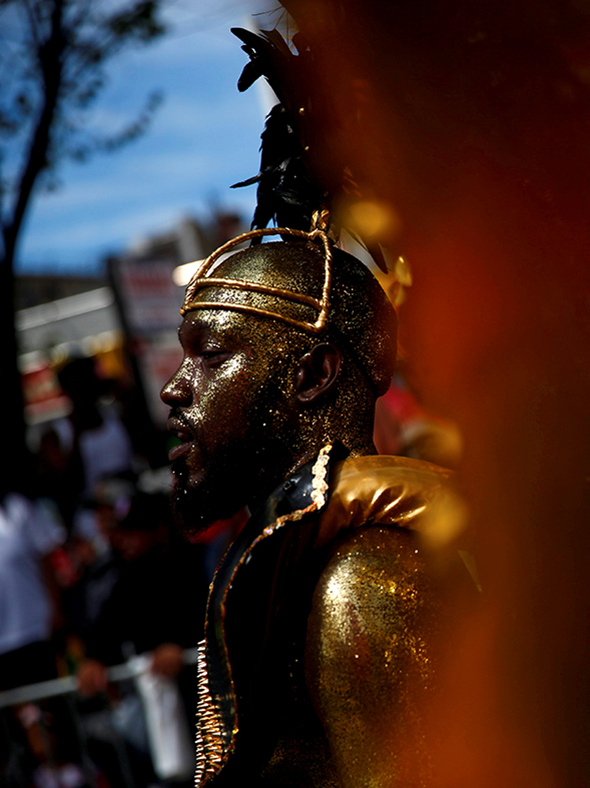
208,739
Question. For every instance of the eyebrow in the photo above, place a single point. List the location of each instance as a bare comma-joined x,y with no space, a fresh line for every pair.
203,331
193,325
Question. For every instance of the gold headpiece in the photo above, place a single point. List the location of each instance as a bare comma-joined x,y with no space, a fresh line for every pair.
201,279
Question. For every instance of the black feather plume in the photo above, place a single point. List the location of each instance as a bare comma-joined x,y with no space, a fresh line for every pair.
287,194
298,174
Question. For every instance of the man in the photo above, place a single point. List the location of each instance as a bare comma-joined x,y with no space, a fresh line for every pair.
322,617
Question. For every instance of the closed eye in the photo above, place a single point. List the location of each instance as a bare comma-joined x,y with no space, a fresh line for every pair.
214,357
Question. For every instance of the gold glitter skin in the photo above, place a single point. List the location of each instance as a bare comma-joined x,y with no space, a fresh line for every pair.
370,645
368,659
311,286
228,392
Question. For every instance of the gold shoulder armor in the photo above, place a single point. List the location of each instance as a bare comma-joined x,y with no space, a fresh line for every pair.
396,491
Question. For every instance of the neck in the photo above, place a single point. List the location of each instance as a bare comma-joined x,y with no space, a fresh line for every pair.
304,454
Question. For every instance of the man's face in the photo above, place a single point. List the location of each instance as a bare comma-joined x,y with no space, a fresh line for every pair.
233,409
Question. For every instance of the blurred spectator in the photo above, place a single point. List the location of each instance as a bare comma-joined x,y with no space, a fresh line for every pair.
77,451
29,614
93,569
156,571
151,574
29,599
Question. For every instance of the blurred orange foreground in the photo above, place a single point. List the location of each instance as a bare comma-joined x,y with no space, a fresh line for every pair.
466,125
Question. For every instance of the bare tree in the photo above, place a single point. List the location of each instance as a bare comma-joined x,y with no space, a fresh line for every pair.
52,67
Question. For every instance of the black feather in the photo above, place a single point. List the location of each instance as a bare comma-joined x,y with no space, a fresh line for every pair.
251,72
287,194
289,186
248,182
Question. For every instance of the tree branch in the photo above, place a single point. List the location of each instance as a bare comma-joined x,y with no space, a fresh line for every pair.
50,57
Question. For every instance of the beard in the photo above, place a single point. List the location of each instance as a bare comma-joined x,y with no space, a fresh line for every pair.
199,507
240,476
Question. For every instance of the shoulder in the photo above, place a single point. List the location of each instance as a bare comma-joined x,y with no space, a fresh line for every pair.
376,587
369,653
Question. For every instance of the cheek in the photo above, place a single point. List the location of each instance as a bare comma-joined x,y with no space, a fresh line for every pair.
225,398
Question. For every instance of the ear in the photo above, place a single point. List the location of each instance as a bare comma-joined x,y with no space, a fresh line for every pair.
317,372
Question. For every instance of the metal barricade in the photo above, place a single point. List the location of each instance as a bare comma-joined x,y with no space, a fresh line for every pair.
65,689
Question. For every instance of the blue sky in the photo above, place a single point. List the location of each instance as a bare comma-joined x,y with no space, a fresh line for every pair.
204,137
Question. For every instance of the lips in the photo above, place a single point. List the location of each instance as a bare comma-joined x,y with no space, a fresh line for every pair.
184,435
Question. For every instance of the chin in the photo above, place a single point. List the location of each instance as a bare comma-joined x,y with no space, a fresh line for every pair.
197,507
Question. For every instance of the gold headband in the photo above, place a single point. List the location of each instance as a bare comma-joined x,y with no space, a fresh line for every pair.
200,280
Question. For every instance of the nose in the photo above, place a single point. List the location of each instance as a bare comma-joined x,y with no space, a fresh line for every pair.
177,391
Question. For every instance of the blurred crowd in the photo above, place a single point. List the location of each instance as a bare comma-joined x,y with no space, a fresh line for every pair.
92,575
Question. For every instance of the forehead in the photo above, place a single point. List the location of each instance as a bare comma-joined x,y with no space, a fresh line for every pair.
222,326
211,322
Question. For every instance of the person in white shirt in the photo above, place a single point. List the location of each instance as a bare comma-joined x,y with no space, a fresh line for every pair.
29,532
